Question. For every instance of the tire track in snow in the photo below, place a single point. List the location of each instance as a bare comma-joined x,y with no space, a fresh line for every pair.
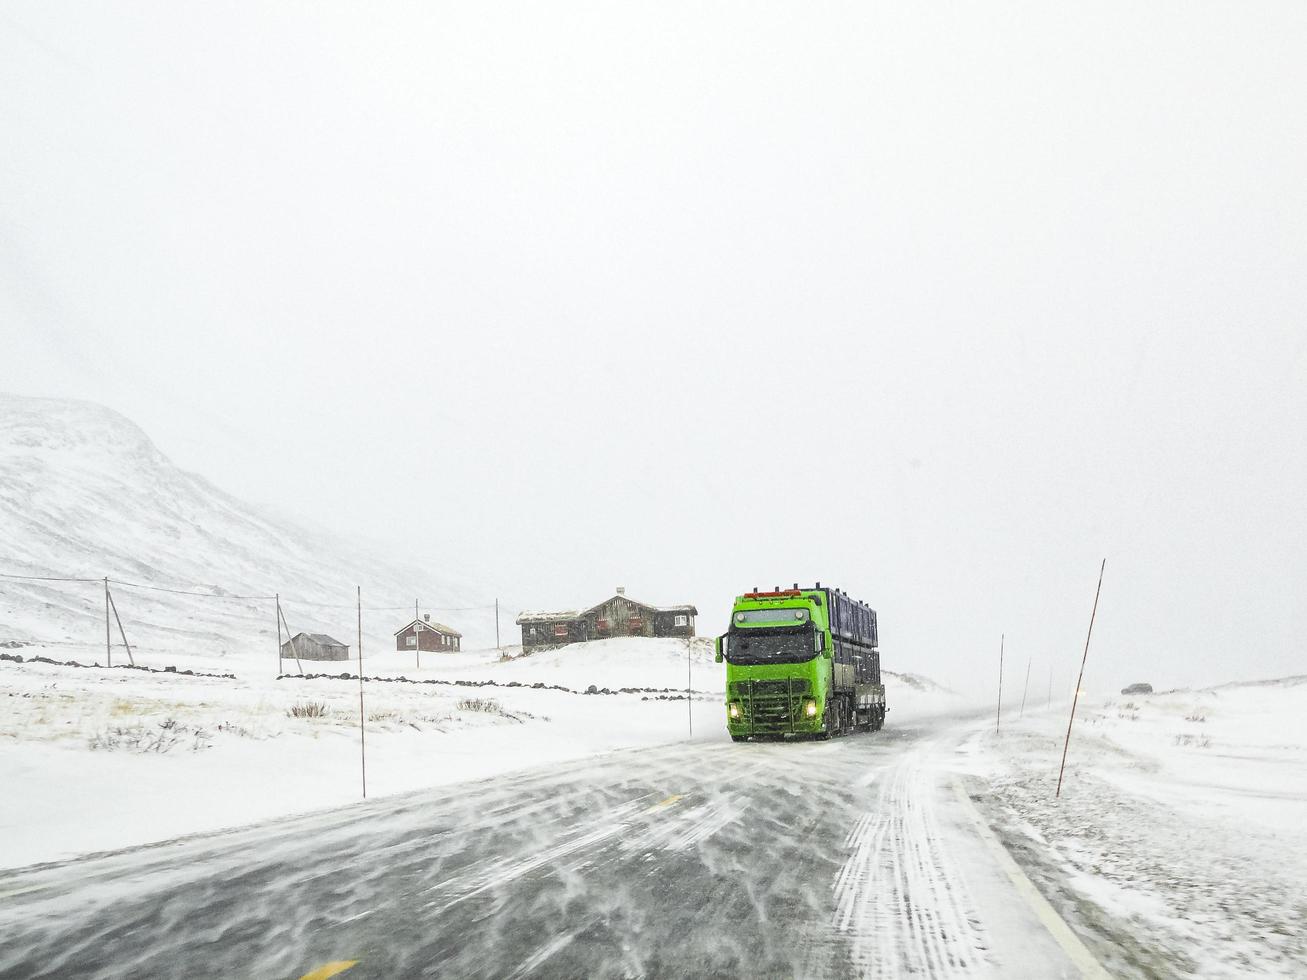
899,898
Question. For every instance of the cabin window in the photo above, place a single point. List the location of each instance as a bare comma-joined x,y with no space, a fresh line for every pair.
635,623
601,626
560,629
680,620
412,641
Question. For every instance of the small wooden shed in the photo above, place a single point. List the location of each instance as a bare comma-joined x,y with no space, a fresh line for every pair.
427,636
314,646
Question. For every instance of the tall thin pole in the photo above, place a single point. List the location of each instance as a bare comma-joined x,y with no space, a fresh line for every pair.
108,650
1025,688
497,646
689,682
1050,687
998,719
290,638
417,635
280,668
1080,679
363,751
121,632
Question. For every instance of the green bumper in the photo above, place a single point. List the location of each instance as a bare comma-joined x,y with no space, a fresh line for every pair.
773,708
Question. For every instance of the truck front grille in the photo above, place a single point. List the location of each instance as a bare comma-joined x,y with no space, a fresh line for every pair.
771,707
749,689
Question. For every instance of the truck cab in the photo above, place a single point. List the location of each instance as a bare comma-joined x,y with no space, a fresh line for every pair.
801,662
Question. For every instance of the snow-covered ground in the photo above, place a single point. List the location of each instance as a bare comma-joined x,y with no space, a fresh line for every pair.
102,759
1179,844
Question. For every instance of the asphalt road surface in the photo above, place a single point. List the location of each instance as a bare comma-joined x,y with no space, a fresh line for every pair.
854,857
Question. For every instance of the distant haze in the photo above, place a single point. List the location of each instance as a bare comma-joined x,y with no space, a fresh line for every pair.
938,304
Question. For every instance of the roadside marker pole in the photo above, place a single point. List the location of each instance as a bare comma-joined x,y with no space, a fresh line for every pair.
998,720
280,666
689,682
1025,688
363,750
1076,697
417,635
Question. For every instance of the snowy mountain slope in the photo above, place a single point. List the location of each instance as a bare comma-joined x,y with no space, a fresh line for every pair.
85,493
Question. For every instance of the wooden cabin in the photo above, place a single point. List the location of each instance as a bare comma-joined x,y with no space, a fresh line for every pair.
314,646
619,615
428,637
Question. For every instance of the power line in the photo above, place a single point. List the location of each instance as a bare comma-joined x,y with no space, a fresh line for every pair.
49,578
202,595
332,605
238,598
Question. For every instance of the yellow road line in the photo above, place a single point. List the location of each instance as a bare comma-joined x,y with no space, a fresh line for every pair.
329,970
1062,933
670,801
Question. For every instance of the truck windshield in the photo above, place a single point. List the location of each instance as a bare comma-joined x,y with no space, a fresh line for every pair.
774,646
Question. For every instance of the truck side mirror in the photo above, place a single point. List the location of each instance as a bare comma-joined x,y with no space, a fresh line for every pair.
719,645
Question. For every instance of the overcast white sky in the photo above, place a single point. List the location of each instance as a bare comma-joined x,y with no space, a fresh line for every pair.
940,303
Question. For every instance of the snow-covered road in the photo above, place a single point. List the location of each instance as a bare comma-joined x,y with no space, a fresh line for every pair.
855,857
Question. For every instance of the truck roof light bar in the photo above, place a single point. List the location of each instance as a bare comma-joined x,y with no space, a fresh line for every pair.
777,594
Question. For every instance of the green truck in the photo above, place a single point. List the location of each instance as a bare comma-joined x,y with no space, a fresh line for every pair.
801,662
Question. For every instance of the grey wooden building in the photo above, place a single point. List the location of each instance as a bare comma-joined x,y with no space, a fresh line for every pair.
619,615
314,646
427,636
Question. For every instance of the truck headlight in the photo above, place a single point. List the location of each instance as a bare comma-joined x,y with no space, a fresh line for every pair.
733,710
810,709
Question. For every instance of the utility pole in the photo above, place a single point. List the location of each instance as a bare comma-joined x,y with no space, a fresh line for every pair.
108,651
998,720
280,669
363,750
417,635
1025,688
1079,680
121,632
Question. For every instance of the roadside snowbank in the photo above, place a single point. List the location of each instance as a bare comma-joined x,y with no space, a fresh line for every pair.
1183,818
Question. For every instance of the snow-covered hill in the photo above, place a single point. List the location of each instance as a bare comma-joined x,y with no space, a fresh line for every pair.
85,493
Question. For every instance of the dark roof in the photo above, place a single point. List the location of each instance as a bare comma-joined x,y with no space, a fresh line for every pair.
573,614
547,617
322,639
644,605
427,624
